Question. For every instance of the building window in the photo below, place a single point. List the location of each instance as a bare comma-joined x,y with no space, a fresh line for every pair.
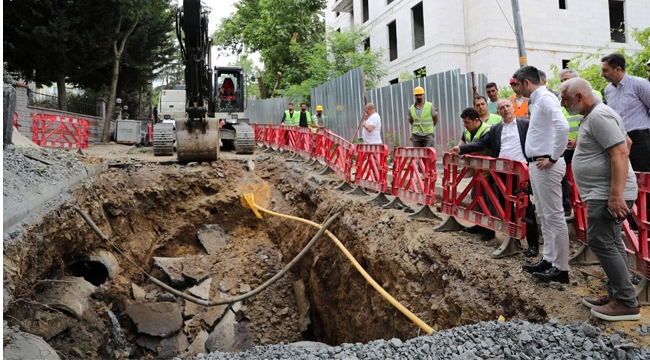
365,10
418,25
565,63
388,2
394,81
421,72
366,44
563,4
337,14
392,41
617,20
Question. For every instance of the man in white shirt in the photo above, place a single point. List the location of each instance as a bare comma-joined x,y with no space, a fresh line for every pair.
371,132
547,139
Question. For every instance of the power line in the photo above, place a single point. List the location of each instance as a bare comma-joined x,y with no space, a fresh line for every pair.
504,15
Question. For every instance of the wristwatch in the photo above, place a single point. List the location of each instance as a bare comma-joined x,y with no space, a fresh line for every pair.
551,160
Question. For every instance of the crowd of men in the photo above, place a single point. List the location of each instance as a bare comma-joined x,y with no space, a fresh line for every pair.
548,131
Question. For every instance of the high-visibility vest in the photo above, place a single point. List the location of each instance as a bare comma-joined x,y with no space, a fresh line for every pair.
290,120
425,123
520,111
493,119
314,119
485,127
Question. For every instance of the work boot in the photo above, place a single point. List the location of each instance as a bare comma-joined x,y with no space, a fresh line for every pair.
488,235
476,229
553,274
616,311
539,266
592,301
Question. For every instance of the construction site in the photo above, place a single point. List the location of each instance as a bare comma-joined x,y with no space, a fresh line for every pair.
173,237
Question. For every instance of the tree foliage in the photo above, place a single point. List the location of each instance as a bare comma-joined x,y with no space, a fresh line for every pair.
271,27
339,54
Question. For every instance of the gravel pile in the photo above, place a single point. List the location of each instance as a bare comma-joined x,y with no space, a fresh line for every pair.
23,175
487,340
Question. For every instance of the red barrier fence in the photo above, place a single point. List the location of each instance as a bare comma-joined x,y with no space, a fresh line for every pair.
58,131
510,177
304,142
338,155
150,133
323,143
414,174
372,167
16,120
289,133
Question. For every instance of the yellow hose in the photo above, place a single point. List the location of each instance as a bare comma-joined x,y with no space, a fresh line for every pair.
251,202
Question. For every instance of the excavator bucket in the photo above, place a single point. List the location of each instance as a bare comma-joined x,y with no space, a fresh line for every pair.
197,143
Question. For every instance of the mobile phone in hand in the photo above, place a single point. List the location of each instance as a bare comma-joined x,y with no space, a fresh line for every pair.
609,216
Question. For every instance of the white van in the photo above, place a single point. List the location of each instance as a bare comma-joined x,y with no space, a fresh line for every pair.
171,105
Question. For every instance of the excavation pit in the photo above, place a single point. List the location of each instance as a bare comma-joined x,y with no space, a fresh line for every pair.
154,214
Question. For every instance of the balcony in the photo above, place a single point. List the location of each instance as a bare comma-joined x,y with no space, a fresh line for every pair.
343,6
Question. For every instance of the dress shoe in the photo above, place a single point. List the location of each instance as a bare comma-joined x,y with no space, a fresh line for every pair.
488,235
475,230
539,266
553,274
532,251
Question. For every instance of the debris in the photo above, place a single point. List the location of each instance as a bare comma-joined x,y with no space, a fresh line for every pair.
212,237
156,319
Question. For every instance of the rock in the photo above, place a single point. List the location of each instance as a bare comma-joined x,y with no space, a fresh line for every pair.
244,288
20,345
191,309
170,347
156,319
71,294
151,295
172,267
149,342
222,338
194,269
212,237
250,165
166,297
46,324
198,345
213,314
202,291
138,293
589,330
226,284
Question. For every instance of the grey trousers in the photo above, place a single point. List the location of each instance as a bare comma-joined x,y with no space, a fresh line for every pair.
428,140
605,241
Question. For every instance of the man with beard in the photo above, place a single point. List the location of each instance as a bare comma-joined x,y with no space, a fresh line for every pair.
606,182
423,117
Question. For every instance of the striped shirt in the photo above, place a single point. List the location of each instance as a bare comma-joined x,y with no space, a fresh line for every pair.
630,98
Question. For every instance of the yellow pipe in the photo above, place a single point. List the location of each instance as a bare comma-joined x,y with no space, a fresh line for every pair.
251,202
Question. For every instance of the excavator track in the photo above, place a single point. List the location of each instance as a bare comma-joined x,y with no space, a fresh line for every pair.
241,136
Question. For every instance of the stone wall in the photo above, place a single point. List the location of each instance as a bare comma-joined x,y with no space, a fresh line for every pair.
25,112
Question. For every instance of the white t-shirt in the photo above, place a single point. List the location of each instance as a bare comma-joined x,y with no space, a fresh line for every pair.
374,136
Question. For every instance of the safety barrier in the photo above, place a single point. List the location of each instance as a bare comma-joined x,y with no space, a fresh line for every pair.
58,131
322,144
16,120
289,134
338,156
260,133
372,167
511,181
304,142
150,133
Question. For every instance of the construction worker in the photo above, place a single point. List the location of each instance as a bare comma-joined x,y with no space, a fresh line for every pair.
481,105
423,117
519,102
318,120
304,116
290,117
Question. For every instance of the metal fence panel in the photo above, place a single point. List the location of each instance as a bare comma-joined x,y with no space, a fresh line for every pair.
266,111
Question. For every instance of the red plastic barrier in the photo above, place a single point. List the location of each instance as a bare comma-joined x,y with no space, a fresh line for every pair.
414,174
640,260
16,120
338,155
304,142
289,133
58,131
516,178
150,133
372,167
260,133
323,143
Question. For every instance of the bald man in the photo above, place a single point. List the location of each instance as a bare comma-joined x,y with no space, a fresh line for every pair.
371,132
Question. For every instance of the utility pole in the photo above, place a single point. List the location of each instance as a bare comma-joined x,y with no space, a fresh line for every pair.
519,33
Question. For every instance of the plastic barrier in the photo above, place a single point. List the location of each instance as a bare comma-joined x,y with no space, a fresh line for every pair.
58,131
338,156
16,120
260,133
372,167
304,142
289,141
510,177
150,133
323,143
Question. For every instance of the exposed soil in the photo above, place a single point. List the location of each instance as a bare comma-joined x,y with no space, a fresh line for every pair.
151,210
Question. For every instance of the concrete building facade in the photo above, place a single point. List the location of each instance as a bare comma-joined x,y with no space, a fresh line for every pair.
478,36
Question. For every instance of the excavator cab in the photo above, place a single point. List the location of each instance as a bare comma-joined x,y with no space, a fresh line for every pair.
230,103
229,94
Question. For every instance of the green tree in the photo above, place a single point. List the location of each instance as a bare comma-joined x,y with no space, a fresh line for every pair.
338,55
271,27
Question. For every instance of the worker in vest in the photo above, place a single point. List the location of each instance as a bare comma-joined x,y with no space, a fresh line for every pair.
318,120
423,117
290,117
476,129
304,117
519,102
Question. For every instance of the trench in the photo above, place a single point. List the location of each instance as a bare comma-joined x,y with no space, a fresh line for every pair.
152,212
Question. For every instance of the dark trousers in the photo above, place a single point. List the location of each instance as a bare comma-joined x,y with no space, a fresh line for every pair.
566,188
639,158
532,233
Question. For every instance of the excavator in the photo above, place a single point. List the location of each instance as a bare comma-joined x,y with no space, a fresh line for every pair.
198,134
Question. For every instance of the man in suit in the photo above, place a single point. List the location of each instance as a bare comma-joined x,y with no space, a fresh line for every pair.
507,140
